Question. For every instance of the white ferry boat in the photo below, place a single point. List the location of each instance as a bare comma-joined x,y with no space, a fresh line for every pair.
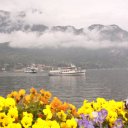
31,70
67,71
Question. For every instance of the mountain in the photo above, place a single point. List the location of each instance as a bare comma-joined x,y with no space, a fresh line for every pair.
110,32
10,22
98,46
86,58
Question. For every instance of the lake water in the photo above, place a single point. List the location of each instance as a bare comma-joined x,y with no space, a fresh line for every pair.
110,84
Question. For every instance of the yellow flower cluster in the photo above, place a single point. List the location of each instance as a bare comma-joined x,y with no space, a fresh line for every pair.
115,109
8,113
38,109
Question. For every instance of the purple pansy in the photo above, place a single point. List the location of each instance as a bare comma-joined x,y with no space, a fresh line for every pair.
102,114
84,122
118,123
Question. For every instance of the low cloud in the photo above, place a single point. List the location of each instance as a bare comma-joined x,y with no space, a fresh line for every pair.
50,39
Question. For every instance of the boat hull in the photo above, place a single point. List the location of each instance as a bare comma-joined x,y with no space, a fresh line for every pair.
30,72
67,74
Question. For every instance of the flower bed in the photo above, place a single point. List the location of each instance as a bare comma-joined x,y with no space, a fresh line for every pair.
41,110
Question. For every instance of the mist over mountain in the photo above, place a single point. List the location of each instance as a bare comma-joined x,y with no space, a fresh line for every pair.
18,29
96,46
86,58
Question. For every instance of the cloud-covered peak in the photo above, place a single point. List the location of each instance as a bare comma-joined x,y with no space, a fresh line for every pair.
96,27
68,29
100,27
111,33
18,29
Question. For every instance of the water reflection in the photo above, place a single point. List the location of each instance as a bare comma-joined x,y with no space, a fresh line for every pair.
111,84
64,86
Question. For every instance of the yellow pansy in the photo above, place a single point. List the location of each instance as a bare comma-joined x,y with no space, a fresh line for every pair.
112,116
119,107
26,114
71,123
86,109
6,121
10,102
47,112
101,101
13,113
2,116
54,124
63,125
96,106
26,122
61,115
2,103
40,124
15,125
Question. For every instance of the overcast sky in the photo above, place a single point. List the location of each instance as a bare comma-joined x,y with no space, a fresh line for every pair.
79,13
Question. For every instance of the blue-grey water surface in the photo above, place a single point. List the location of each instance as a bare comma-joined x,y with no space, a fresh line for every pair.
110,84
